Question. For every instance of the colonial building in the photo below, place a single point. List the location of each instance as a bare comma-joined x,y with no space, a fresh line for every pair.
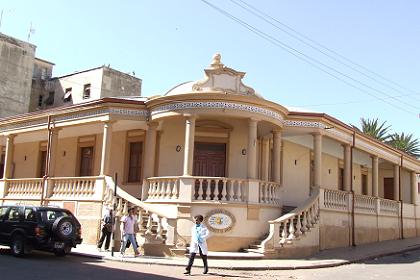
291,183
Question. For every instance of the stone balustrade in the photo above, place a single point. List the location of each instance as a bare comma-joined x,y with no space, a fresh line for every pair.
335,199
291,226
75,187
24,188
269,193
163,188
388,206
365,203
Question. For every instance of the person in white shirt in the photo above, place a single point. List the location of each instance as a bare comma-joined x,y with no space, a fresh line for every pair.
199,235
128,223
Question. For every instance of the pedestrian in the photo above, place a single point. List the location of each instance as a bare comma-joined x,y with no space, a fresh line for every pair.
199,235
107,224
128,233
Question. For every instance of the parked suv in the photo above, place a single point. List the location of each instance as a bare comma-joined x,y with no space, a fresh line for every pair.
27,228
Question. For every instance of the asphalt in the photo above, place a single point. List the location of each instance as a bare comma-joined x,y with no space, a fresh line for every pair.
244,261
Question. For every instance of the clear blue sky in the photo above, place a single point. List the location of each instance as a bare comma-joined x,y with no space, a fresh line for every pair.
169,42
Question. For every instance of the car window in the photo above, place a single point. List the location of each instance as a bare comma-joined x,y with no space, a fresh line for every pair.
13,214
3,211
51,215
30,215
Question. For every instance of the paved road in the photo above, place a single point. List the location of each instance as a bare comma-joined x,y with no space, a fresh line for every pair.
46,266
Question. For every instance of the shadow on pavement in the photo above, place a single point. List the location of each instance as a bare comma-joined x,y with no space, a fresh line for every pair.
43,265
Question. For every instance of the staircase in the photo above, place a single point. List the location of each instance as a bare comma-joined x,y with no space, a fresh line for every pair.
294,234
157,225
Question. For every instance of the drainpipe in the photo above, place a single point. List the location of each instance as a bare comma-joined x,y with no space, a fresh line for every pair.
47,162
401,201
353,239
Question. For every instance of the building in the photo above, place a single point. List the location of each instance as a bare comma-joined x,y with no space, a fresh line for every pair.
27,85
291,182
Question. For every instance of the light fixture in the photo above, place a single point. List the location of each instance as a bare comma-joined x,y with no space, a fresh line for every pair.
178,148
243,152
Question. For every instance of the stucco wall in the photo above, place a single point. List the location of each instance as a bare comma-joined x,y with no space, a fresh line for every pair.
25,158
329,172
171,161
295,177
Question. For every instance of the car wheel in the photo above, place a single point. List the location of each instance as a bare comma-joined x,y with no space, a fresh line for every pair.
64,228
62,252
18,246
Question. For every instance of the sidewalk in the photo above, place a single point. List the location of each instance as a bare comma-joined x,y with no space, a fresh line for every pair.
223,260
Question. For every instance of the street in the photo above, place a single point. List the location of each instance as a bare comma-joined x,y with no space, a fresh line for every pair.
41,265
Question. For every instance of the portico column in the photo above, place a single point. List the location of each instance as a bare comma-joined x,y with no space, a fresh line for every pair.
276,155
53,151
265,158
189,144
106,148
252,149
396,182
150,152
347,167
375,176
8,157
414,191
317,159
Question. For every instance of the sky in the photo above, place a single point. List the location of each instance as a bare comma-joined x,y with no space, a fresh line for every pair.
165,43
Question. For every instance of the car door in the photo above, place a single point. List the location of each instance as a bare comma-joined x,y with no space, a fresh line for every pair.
11,222
3,213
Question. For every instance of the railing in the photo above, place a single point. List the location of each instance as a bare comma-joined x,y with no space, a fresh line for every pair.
269,193
163,188
220,189
388,206
290,226
156,225
72,186
24,187
335,199
365,203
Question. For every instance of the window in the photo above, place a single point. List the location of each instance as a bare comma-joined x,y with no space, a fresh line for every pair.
50,99
67,95
364,184
86,91
30,215
3,211
2,159
40,100
86,161
341,179
134,163
42,163
14,214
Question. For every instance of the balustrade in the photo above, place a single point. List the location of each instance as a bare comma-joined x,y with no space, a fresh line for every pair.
336,199
24,187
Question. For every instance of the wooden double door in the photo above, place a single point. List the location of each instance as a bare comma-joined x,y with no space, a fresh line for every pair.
209,159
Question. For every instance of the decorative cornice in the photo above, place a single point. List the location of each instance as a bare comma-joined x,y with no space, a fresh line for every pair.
304,124
216,105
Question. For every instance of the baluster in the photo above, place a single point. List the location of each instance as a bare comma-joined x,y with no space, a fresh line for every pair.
119,209
291,230
260,199
304,223
240,191
298,225
159,228
224,191
208,189
229,190
149,225
200,189
283,232
271,194
174,192
168,189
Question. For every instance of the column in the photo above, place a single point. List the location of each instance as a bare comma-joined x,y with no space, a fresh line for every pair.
265,157
375,176
347,167
277,155
317,159
8,157
150,152
106,148
53,151
396,182
414,191
252,149
189,144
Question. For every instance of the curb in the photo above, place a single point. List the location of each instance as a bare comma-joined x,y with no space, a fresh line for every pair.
320,264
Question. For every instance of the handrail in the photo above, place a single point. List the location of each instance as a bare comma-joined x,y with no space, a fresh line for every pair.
148,207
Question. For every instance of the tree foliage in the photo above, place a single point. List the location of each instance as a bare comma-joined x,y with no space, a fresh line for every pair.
372,128
406,143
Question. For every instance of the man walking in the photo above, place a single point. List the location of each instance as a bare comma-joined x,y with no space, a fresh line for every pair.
128,223
199,234
107,226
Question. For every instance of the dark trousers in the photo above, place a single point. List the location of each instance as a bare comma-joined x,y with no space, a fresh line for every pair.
106,235
191,261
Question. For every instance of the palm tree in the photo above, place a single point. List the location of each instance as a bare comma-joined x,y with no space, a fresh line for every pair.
405,143
372,128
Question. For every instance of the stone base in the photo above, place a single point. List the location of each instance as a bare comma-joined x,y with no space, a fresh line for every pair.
157,250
